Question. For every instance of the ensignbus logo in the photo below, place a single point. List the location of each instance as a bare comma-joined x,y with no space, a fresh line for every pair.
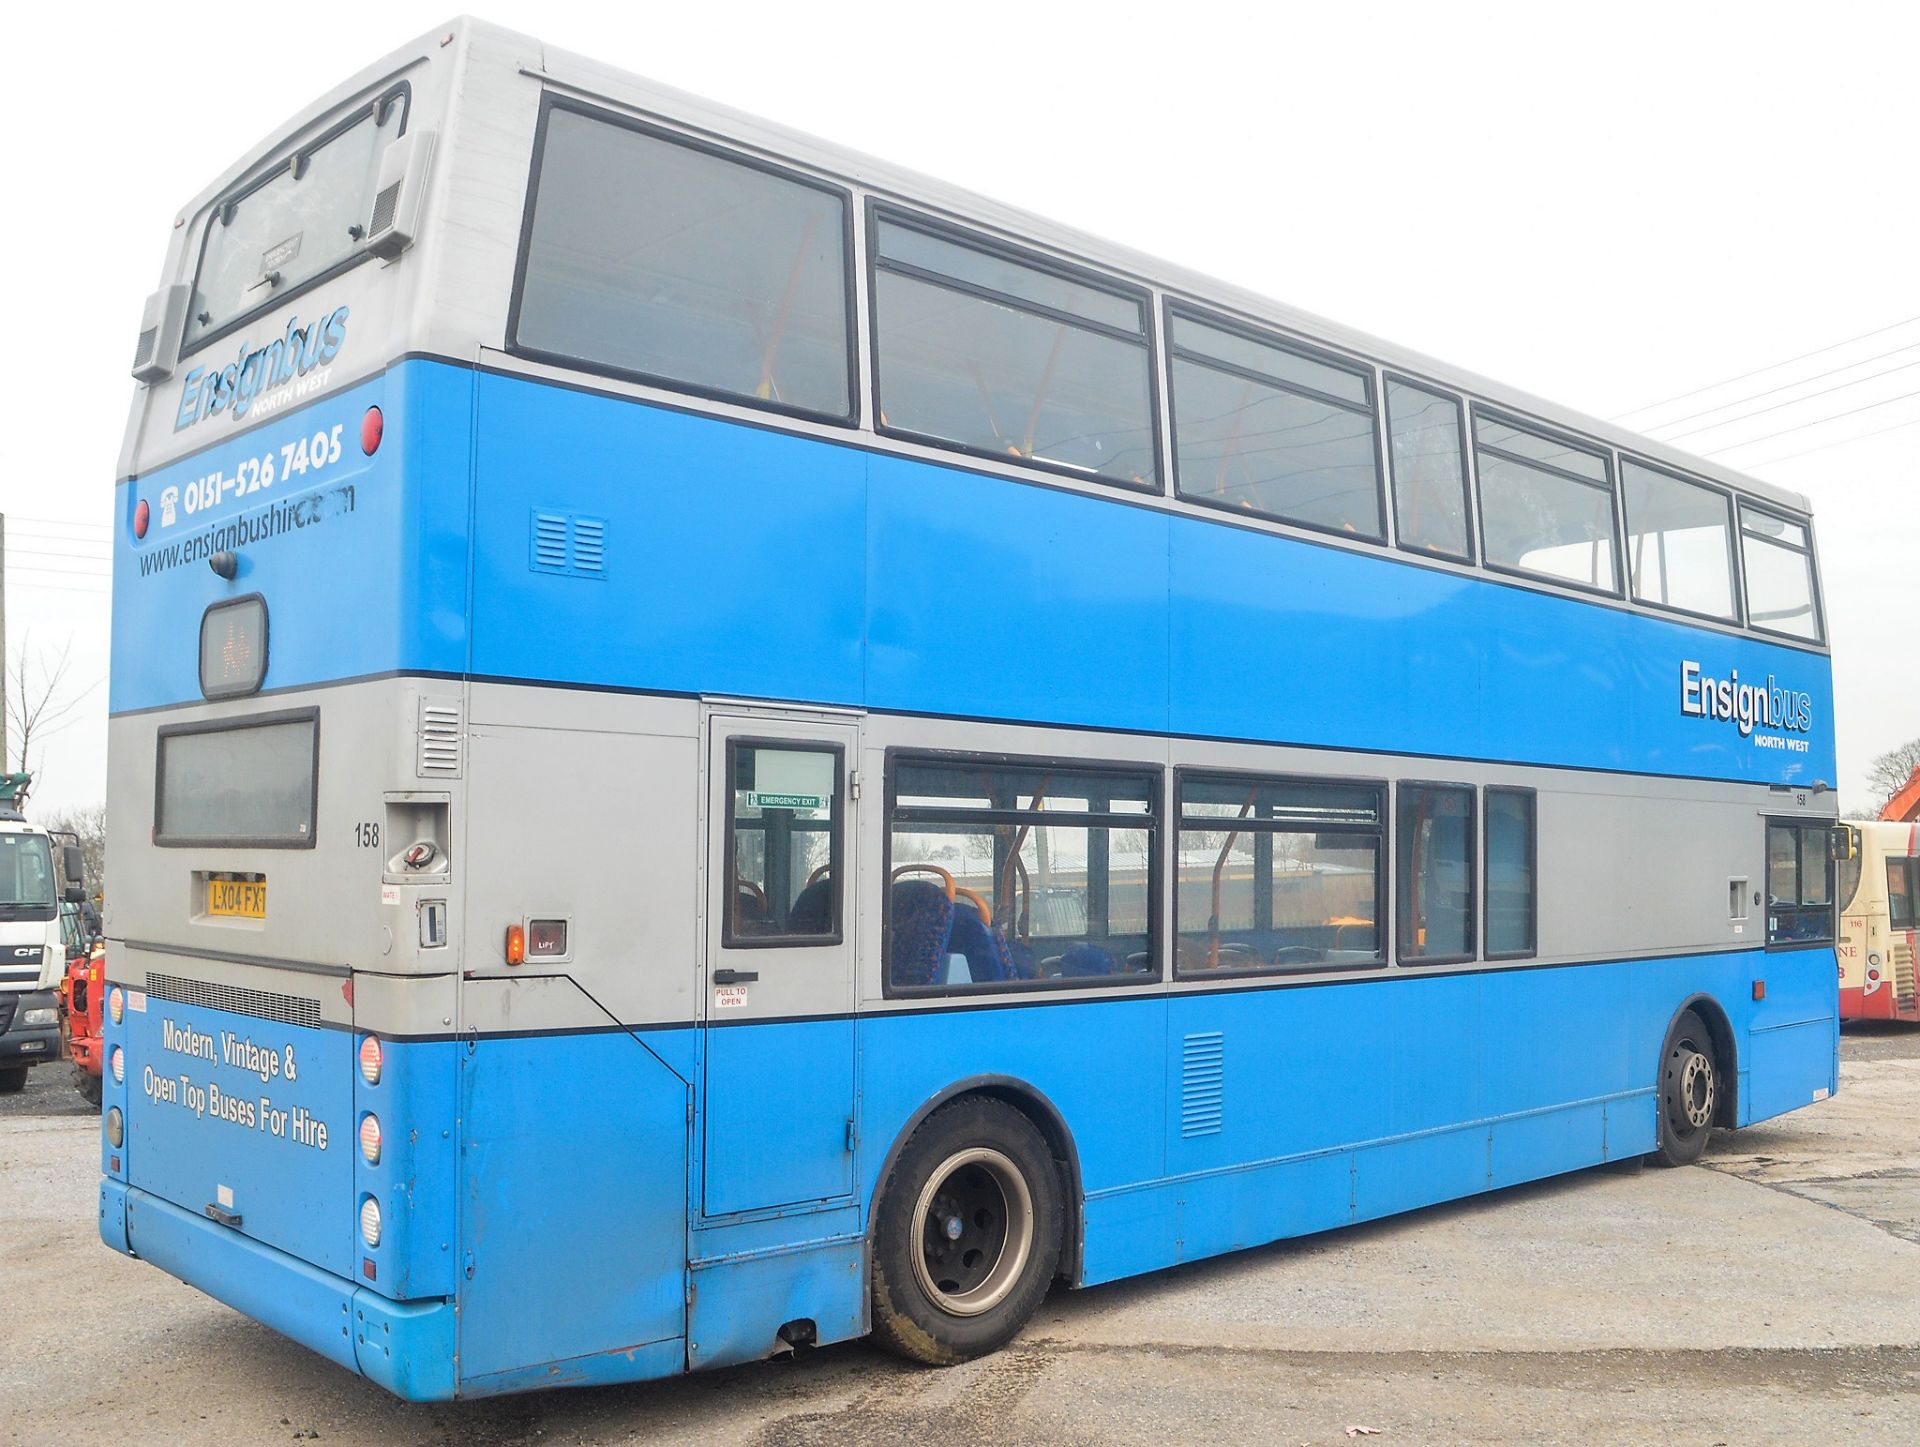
266,377
1746,706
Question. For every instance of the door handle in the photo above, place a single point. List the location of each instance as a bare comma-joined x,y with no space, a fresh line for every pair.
735,977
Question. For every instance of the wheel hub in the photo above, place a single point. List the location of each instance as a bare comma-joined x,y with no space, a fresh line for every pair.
1691,1100
974,1225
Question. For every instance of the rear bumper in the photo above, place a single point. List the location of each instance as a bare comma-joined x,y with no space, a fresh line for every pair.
406,1347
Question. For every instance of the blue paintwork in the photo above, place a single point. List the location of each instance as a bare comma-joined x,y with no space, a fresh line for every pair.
572,1187
865,579
558,1211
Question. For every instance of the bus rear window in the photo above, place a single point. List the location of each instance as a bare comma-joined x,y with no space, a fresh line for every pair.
250,783
302,220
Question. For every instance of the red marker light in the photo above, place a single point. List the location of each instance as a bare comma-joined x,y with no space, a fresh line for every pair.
141,514
373,427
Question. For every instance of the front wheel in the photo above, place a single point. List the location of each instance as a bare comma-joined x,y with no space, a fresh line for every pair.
88,1084
13,1080
967,1233
1689,1092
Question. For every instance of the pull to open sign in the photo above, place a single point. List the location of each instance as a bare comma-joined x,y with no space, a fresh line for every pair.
757,800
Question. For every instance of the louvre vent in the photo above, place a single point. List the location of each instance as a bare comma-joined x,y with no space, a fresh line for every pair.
384,206
143,353
569,543
261,1004
550,542
439,738
589,539
1202,1083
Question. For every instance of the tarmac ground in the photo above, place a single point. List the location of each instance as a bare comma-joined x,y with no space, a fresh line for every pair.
1771,1295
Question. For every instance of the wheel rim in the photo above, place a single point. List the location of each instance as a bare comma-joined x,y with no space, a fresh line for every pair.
1690,1090
973,1229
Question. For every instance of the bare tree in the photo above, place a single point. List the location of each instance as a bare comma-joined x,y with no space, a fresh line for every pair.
1886,774
40,701
89,823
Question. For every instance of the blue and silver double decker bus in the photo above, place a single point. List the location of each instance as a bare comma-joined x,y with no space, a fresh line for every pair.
717,746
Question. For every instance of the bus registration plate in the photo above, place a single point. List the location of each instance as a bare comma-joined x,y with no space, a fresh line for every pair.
241,898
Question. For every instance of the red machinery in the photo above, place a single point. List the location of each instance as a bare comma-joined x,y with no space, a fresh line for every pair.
81,998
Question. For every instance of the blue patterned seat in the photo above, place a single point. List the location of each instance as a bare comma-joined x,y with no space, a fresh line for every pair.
920,923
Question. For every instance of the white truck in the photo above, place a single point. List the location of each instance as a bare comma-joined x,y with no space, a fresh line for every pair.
32,957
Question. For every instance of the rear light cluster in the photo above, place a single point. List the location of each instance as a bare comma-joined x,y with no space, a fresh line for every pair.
117,1062
372,1058
117,1004
116,1127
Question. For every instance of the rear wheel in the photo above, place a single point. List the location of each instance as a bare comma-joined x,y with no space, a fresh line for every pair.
13,1080
967,1233
1689,1092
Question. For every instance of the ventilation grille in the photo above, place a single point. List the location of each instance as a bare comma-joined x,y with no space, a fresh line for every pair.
261,1004
1903,981
570,544
439,738
143,353
384,205
1202,1083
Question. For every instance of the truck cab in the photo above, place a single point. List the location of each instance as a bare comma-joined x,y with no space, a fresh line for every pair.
32,954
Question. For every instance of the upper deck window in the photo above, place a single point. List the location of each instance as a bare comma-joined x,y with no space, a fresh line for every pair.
1429,451
1679,542
1779,571
1268,430
299,222
655,258
1546,505
1011,357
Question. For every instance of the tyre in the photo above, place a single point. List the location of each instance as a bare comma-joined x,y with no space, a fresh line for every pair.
1689,1092
13,1080
967,1233
87,1084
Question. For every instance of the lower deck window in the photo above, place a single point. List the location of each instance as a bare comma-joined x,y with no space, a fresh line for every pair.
1434,899
1018,875
251,783
1510,873
1278,874
1799,884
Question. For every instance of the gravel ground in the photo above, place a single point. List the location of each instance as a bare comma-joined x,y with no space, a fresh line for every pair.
1770,1297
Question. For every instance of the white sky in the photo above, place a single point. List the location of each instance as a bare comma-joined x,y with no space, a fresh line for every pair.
1605,204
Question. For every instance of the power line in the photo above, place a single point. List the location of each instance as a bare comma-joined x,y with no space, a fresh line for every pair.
1790,402
1783,387
1816,422
1770,367
62,588
1837,442
39,552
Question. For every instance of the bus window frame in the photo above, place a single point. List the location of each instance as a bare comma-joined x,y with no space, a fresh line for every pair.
236,725
836,852
880,209
1736,573
1172,308
550,102
1402,919
1908,865
1532,796
1469,494
1152,822
1817,600
1610,489
1382,896
385,98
